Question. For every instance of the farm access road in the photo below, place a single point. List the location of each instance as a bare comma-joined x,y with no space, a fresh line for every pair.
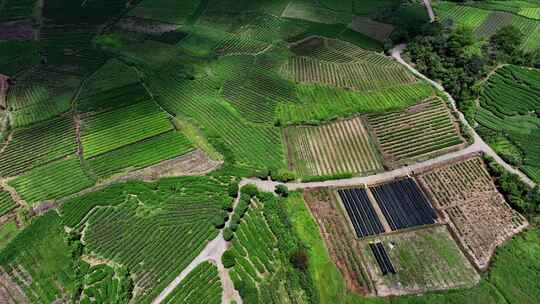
427,4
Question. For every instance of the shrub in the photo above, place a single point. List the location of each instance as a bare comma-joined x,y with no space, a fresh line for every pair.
299,259
282,190
233,189
250,190
218,222
228,259
234,225
283,175
228,234
227,206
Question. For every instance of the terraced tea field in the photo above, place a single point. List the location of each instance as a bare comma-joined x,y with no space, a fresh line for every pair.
420,131
344,146
509,99
476,211
202,285
6,203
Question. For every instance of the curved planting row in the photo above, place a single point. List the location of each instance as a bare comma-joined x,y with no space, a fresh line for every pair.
201,285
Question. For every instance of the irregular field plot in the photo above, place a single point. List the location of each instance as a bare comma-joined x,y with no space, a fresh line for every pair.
417,132
494,22
339,237
463,15
107,131
338,147
476,211
201,285
53,180
403,204
142,226
362,215
141,154
37,145
166,10
427,259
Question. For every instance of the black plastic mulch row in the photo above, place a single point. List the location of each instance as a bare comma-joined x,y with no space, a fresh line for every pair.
404,204
363,217
380,254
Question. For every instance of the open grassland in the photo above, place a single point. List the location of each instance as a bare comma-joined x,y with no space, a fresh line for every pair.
476,211
419,131
38,261
6,203
37,145
142,226
107,131
344,146
200,286
141,154
53,180
426,259
508,104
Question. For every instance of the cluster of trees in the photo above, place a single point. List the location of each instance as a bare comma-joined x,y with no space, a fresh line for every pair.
520,196
458,59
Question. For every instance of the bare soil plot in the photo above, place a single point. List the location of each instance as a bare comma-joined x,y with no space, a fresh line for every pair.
339,237
425,259
343,146
476,211
416,133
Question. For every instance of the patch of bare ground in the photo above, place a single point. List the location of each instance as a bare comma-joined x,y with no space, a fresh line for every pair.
477,213
146,26
10,292
342,245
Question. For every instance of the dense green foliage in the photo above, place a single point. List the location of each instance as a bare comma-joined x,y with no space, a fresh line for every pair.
201,285
6,202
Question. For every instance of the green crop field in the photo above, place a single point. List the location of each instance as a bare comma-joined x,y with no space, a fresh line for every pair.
53,180
335,148
509,99
201,285
217,151
421,130
107,131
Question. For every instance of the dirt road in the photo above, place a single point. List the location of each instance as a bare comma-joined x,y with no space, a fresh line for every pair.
427,4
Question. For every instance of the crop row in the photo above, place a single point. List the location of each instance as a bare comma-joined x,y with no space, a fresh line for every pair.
37,145
320,103
38,260
107,131
201,285
404,204
148,244
53,180
339,147
361,213
421,130
141,154
6,203
478,213
258,146
357,76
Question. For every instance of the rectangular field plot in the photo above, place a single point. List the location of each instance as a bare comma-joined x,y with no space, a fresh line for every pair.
339,147
361,212
475,210
422,260
404,204
107,131
417,132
